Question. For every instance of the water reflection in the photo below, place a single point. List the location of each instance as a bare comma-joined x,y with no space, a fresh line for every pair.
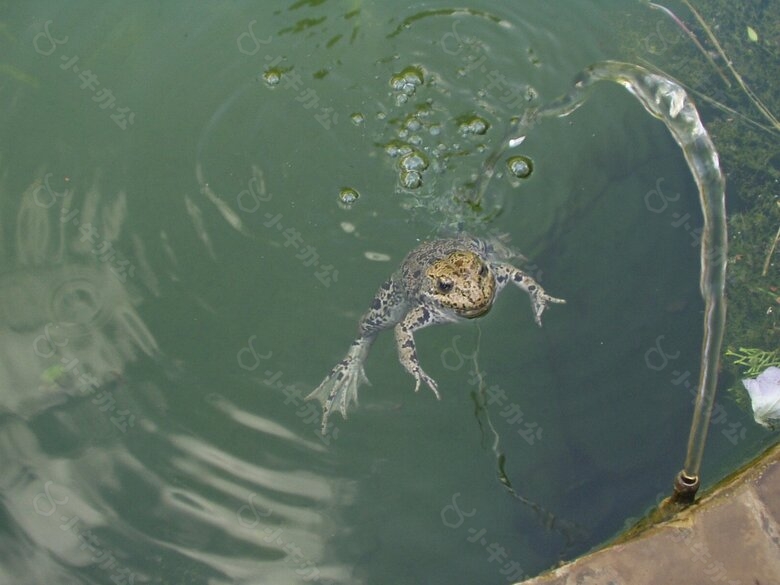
100,482
68,312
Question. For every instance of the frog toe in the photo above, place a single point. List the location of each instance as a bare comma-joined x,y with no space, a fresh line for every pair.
339,391
420,377
539,302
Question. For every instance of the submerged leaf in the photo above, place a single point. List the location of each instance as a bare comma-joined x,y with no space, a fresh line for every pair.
752,34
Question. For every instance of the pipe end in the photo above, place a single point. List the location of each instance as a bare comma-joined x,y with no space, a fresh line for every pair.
685,488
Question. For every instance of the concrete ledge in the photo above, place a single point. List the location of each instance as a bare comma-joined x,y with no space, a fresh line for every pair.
730,536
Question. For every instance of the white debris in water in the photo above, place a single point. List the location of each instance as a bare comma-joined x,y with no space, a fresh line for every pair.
347,227
764,393
516,141
376,256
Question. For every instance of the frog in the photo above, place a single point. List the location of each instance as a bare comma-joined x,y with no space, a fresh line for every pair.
442,280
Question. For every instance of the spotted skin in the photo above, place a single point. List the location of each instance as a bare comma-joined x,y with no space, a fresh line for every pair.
440,281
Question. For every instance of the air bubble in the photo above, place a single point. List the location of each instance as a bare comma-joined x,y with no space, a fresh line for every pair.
520,166
410,179
414,161
413,124
348,196
425,110
272,76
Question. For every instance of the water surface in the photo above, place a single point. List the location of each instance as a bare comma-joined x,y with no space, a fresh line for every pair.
178,272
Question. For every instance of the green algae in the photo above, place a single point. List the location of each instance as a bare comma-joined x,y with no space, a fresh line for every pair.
754,360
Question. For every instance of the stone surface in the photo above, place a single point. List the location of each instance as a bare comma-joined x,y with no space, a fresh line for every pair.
731,536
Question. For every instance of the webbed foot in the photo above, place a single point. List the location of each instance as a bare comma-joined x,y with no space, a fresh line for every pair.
339,389
539,300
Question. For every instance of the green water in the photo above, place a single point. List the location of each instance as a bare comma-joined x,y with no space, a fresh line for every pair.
178,271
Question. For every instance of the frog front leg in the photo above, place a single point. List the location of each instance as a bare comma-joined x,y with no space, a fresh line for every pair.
506,273
417,318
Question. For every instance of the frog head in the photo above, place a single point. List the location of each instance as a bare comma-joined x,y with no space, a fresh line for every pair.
462,282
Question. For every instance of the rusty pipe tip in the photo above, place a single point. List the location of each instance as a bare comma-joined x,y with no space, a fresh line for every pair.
685,487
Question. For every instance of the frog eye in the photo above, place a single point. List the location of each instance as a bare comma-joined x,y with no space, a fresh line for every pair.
484,270
444,285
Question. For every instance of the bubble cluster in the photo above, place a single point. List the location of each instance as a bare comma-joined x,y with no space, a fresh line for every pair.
406,82
520,166
423,136
411,163
472,125
396,148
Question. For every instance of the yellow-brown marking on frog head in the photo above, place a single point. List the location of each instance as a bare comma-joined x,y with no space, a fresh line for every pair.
463,282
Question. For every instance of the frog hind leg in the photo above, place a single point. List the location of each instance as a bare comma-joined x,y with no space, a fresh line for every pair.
340,387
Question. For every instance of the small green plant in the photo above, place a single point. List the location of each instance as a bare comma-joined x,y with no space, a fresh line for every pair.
755,360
